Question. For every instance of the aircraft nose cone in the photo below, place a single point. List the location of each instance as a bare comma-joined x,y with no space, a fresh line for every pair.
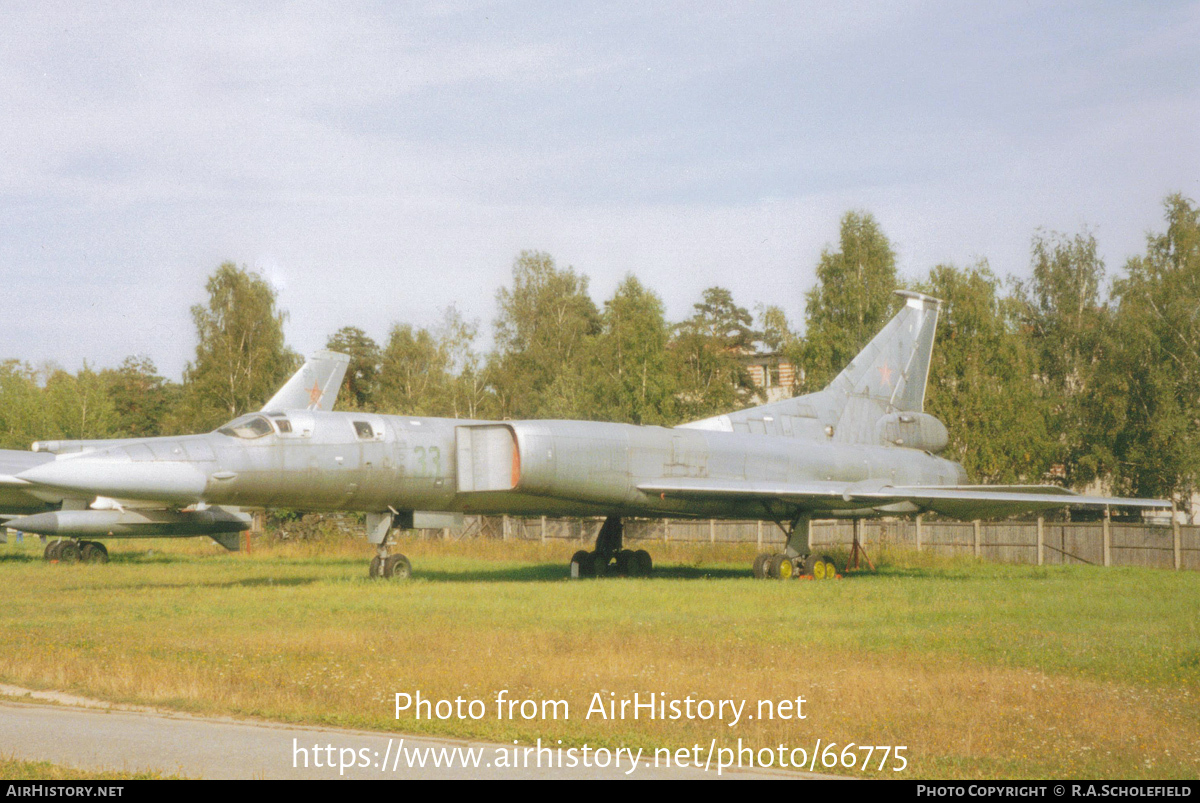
122,479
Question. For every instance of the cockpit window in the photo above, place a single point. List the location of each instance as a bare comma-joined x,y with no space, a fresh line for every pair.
248,427
364,430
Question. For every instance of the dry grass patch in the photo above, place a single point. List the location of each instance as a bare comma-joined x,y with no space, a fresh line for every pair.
15,769
943,658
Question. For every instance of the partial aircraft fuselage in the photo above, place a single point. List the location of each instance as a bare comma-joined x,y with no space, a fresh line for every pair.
369,462
862,446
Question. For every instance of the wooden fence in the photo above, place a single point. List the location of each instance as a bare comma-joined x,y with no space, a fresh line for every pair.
1101,543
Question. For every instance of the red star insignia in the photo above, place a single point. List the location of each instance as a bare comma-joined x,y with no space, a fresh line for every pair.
885,373
314,395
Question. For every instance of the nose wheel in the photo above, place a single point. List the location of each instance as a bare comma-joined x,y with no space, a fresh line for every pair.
390,567
386,565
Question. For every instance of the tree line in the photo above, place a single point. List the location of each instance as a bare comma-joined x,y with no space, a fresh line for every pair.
1069,376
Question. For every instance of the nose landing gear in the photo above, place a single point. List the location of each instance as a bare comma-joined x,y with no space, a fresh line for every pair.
390,567
385,565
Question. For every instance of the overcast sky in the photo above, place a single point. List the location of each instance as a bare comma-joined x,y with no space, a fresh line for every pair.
378,162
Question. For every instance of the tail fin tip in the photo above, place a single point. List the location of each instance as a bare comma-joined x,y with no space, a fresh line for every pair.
918,300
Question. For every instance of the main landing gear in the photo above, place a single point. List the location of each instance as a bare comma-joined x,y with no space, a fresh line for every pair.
797,558
777,566
610,558
70,550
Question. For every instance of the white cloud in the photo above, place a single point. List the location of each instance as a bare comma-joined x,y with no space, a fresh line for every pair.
382,162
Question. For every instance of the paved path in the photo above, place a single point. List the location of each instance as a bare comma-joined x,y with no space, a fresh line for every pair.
93,734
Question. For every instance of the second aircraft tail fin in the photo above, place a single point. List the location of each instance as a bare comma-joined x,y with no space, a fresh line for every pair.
315,386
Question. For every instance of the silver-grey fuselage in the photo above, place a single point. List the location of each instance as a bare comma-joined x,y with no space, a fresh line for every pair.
862,446
368,462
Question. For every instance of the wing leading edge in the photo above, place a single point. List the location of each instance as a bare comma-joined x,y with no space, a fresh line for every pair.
959,501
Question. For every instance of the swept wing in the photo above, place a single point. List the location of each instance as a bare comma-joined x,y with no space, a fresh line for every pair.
959,501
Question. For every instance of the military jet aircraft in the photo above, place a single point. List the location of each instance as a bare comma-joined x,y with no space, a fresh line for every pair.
72,513
862,447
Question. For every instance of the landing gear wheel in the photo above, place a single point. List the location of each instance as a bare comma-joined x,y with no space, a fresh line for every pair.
643,564
93,552
760,565
779,567
397,567
624,564
376,570
582,563
820,567
48,552
67,552
601,565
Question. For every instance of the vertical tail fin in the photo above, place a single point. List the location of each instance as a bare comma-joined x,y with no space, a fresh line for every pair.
315,386
887,376
892,369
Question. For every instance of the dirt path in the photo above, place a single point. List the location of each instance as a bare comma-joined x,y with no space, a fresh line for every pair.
93,734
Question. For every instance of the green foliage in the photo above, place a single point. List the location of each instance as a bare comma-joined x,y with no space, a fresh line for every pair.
131,401
851,301
142,400
433,372
630,363
79,406
1062,317
362,374
543,331
775,333
471,396
23,418
981,380
241,357
707,351
414,378
1153,372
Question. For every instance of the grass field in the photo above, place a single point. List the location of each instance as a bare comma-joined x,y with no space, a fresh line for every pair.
980,670
12,769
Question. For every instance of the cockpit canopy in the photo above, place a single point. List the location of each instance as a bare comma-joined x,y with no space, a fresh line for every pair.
248,427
